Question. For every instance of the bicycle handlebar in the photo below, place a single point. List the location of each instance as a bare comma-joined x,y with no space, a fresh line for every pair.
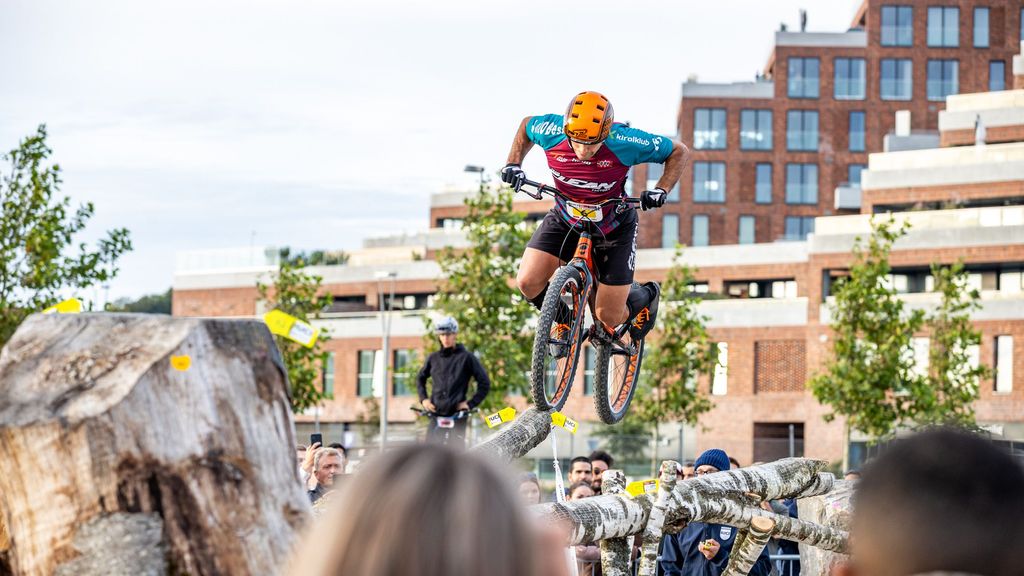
554,192
461,414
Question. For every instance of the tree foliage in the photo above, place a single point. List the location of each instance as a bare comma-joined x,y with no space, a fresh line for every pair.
871,377
148,304
954,372
42,262
681,351
478,292
298,293
313,257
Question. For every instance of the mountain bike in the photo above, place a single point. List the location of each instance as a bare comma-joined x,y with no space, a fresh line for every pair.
560,329
445,429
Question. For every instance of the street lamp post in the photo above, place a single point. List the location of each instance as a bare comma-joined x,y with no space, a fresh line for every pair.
476,169
385,324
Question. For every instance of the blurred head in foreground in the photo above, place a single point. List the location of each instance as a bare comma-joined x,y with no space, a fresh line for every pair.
425,510
942,500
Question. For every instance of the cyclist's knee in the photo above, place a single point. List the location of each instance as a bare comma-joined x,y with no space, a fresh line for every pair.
530,284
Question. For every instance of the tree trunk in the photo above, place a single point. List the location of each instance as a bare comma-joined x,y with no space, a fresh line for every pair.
748,546
656,521
116,462
518,437
615,552
832,510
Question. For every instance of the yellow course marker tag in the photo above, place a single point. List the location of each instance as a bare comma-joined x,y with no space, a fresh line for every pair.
181,363
559,419
501,416
642,487
291,328
71,306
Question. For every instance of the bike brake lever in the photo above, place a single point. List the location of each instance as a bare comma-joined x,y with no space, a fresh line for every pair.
621,208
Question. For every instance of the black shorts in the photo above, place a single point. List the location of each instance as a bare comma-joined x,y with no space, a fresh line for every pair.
614,255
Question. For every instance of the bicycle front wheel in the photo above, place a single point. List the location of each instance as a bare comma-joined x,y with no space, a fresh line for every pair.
615,382
556,347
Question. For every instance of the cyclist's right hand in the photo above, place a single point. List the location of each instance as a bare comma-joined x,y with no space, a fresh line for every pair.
512,174
429,405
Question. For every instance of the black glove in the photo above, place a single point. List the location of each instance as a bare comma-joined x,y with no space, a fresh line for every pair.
651,199
512,174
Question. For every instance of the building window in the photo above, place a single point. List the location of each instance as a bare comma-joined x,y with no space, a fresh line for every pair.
942,79
763,186
801,183
857,131
402,378
897,26
755,129
850,79
700,230
776,440
1021,21
943,27
996,76
709,181
709,129
802,130
798,227
981,27
720,381
746,230
328,375
669,230
589,363
364,376
897,79
1004,364
803,77
853,174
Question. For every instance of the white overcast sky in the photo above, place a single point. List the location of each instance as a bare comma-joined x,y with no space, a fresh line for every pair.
198,123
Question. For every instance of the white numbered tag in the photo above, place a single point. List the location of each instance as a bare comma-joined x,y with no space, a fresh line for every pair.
591,212
446,422
301,332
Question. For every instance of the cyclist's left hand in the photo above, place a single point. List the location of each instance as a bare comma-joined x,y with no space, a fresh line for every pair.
651,199
463,406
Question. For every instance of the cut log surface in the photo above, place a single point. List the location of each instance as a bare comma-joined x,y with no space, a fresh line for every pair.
113,461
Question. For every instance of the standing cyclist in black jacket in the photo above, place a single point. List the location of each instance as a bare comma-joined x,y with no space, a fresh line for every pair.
450,368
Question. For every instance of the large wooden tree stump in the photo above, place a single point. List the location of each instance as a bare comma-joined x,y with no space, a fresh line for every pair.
113,461
832,510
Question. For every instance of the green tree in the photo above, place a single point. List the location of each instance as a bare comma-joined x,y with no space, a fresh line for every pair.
149,304
953,374
681,351
479,293
42,263
299,294
314,257
870,378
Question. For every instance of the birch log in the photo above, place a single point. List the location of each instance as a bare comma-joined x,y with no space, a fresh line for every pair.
748,546
655,523
615,552
113,461
518,437
832,510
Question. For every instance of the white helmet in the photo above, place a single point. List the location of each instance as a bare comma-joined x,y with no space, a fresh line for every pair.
446,325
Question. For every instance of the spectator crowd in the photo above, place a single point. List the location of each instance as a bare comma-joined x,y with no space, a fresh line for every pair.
941,501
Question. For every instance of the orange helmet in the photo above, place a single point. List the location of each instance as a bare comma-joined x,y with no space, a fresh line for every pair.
588,119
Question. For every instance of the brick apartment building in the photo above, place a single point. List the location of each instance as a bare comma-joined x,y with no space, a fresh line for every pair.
769,311
771,154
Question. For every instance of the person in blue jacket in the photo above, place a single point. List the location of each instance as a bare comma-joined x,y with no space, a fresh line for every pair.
703,549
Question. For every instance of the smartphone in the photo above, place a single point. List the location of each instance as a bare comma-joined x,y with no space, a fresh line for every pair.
315,438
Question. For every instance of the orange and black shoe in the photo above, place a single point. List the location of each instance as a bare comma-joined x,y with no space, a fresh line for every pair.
559,332
643,306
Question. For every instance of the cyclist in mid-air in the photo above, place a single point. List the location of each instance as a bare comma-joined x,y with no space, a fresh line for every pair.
589,155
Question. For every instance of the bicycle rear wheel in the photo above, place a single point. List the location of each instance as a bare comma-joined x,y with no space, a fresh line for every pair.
557,345
616,379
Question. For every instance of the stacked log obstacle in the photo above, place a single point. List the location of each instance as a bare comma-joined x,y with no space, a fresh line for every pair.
144,444
730,497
